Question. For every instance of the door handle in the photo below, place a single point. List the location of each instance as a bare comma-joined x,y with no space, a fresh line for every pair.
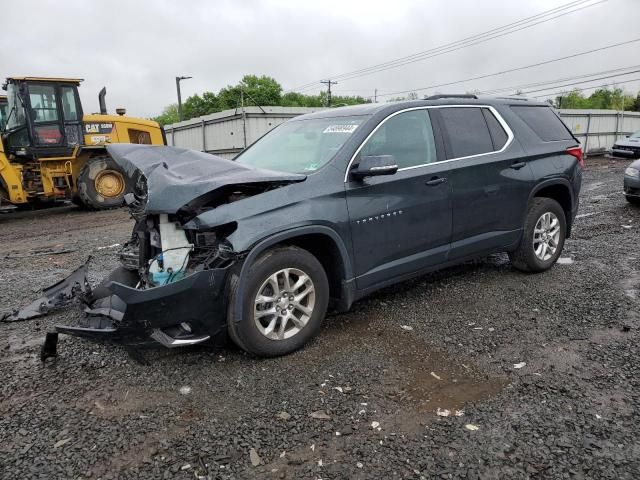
517,165
435,181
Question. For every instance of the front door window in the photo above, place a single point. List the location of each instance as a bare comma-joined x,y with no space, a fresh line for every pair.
407,136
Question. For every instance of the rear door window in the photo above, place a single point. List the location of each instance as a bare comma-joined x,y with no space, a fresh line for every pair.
467,131
544,123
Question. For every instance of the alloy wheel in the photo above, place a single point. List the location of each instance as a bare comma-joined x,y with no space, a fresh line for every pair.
546,236
284,304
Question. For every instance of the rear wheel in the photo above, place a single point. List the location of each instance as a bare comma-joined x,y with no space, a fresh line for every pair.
102,184
633,200
286,300
543,238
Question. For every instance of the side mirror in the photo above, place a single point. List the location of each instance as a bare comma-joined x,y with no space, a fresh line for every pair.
375,165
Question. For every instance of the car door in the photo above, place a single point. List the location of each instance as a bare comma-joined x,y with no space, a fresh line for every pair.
400,223
490,182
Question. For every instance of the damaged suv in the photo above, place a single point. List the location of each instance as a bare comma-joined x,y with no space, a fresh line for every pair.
327,208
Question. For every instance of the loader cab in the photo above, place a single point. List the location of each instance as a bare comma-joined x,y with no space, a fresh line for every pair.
44,117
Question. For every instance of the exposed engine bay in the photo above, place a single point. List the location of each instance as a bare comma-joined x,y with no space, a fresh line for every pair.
171,285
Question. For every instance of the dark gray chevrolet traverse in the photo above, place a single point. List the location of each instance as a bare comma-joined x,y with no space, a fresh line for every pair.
327,208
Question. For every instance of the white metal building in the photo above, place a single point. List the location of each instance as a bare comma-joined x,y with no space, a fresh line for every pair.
228,132
598,130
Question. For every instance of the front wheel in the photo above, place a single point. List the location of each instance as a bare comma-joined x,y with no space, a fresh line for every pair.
286,300
101,183
633,199
545,230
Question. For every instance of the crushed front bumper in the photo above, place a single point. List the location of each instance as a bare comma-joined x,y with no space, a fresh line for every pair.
132,316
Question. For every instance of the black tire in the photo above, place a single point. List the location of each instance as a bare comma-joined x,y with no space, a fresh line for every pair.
87,191
245,333
633,200
524,257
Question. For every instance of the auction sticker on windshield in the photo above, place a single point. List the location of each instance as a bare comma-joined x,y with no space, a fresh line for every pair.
340,129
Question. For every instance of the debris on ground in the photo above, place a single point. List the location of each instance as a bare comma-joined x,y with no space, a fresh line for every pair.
472,427
60,443
254,457
320,415
519,365
115,245
408,328
443,412
40,253
56,296
564,261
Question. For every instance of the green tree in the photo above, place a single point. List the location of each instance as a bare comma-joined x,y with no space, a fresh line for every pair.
196,106
257,91
169,115
602,98
263,91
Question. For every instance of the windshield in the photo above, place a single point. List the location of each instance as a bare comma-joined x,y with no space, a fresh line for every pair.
15,110
635,135
301,146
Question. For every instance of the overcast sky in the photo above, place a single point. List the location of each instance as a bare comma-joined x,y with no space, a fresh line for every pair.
136,48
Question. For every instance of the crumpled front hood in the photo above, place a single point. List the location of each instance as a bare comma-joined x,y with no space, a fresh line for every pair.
176,176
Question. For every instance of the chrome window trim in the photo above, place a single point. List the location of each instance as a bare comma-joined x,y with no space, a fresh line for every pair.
495,113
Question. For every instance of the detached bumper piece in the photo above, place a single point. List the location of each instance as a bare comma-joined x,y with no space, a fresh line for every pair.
55,296
186,312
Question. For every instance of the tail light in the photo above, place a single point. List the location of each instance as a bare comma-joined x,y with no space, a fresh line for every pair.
576,152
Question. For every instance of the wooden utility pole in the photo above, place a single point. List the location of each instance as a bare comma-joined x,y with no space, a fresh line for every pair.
329,83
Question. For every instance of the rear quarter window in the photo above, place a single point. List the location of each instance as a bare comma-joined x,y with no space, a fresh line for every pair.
544,123
498,135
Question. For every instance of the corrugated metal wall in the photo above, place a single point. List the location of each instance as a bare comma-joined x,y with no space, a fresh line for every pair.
598,130
226,133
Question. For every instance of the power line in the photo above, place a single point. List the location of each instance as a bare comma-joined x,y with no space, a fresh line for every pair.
469,44
578,83
587,88
479,77
469,41
560,80
456,43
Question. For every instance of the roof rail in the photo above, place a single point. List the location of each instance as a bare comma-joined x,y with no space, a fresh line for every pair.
514,97
452,95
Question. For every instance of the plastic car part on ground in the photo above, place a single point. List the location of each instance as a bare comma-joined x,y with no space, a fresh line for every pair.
57,295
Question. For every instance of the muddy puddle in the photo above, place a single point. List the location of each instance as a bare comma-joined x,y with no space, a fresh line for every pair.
20,349
417,380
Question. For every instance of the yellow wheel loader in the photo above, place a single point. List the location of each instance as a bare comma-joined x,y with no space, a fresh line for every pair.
50,150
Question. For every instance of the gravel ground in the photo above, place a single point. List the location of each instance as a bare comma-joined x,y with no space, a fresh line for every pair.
361,400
